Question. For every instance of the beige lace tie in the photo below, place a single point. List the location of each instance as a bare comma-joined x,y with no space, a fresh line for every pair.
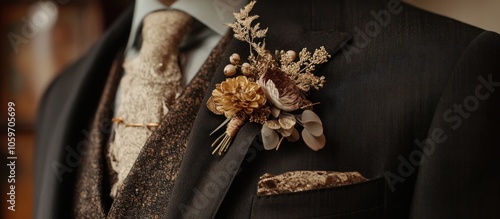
151,83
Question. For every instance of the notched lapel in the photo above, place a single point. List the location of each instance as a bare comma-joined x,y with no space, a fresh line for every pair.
204,179
187,199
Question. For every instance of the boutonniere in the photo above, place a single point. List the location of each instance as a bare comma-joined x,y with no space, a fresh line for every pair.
270,89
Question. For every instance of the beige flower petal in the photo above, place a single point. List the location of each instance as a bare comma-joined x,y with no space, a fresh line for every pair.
287,121
272,93
315,143
270,138
275,81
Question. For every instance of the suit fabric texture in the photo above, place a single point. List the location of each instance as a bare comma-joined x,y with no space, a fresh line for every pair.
410,102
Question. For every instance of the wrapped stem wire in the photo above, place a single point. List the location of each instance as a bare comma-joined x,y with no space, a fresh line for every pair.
224,141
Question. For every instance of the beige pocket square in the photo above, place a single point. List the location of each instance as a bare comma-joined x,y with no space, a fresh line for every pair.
297,181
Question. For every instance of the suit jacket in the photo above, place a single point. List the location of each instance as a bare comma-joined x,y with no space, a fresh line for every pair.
410,101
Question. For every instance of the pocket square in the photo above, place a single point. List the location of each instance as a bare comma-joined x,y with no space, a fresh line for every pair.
297,181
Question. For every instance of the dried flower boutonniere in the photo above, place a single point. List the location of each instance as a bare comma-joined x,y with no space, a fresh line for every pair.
271,90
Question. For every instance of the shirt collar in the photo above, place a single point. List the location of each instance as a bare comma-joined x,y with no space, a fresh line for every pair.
213,13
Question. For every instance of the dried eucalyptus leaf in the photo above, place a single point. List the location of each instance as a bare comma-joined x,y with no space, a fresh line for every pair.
315,143
294,136
287,121
270,138
315,128
310,116
272,124
285,132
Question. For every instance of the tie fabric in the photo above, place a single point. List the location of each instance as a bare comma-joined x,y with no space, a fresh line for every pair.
150,85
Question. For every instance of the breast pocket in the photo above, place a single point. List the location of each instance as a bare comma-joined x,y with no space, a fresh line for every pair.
361,200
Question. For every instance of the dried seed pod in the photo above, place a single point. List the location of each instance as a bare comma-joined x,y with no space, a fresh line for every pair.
245,69
234,59
230,70
292,54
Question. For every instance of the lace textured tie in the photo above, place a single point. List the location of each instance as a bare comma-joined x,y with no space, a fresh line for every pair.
150,85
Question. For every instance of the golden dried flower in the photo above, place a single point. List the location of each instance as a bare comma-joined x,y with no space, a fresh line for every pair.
280,90
238,94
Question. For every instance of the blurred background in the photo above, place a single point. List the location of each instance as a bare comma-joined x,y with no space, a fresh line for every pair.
65,29
30,59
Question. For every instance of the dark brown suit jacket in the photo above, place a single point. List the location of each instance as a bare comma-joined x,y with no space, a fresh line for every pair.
410,101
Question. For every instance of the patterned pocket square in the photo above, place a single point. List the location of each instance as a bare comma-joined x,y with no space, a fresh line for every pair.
297,181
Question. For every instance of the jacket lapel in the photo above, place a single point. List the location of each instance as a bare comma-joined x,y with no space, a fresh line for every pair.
204,178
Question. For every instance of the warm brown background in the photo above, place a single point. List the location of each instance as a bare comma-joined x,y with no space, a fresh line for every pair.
24,75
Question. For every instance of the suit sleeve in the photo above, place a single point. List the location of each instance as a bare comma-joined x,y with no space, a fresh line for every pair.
459,174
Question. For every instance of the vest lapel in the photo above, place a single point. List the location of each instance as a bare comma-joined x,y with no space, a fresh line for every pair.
148,186
205,178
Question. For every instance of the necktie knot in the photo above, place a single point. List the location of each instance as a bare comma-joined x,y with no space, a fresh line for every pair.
162,33
165,28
